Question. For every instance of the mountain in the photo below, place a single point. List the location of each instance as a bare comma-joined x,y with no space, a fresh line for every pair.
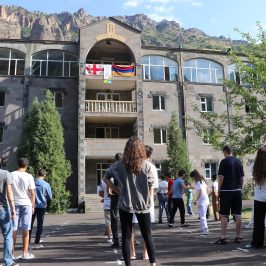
19,23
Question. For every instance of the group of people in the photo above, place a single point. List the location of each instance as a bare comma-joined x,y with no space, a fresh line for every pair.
130,184
22,200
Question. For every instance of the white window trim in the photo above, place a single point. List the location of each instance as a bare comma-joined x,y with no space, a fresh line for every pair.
205,102
160,103
209,169
161,136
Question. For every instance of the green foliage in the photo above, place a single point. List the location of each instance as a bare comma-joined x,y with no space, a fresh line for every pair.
243,124
177,148
25,32
248,190
42,142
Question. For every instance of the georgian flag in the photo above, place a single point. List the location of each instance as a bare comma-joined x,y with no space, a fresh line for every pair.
94,69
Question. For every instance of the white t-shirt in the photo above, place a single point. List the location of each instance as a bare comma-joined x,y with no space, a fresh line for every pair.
22,183
260,192
204,198
106,198
215,186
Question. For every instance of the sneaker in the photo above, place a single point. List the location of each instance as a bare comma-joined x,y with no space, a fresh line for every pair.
37,246
109,240
28,256
184,225
205,233
170,225
248,226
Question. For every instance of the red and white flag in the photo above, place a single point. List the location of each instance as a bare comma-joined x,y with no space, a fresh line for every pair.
94,69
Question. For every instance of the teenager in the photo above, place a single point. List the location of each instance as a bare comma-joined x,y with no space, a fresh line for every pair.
162,199
189,193
169,193
135,180
24,198
259,175
202,199
7,215
43,197
178,203
231,176
215,198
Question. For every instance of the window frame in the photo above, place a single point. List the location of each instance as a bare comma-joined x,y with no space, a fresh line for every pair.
2,129
161,136
160,102
197,68
1,106
164,65
205,102
47,61
54,99
210,169
110,132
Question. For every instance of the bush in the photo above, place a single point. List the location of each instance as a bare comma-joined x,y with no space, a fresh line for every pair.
248,190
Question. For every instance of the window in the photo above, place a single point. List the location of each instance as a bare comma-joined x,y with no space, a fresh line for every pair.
210,169
159,168
160,135
206,136
2,98
235,75
158,102
108,96
101,170
159,68
54,63
107,132
1,132
203,71
12,62
58,99
206,104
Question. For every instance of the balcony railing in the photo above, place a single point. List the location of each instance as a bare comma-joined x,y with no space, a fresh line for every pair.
110,106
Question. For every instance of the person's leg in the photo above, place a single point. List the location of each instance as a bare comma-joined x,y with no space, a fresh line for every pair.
225,205
40,219
182,211
236,206
126,228
166,207
259,224
161,206
114,226
145,229
224,221
132,242
26,216
203,218
32,223
15,227
173,211
6,228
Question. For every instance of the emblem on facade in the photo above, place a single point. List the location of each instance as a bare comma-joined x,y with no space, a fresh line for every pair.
111,33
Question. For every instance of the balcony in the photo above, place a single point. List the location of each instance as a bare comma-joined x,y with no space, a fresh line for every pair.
104,148
96,106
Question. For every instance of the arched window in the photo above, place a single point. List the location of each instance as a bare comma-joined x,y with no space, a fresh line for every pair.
159,68
12,62
203,71
54,63
234,74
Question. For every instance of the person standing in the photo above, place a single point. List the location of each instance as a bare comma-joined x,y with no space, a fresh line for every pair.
189,193
135,179
259,175
107,210
162,199
231,176
215,198
178,202
169,193
202,199
7,215
24,198
43,197
114,208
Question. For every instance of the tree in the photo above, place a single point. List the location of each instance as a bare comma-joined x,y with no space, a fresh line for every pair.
42,142
243,125
177,148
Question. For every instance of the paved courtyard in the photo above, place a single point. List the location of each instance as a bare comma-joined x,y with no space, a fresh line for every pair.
77,239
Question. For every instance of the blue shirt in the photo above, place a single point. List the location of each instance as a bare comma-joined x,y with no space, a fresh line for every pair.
178,188
43,193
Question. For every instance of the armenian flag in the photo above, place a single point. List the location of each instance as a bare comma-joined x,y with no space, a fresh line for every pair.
126,71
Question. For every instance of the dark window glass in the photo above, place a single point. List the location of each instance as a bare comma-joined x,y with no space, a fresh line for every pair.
4,53
55,69
100,132
36,66
157,136
43,68
209,105
55,55
164,136
146,76
12,67
4,64
40,56
2,98
58,98
66,69
17,55
70,57
162,103
167,73
1,134
73,69
156,103
115,133
20,67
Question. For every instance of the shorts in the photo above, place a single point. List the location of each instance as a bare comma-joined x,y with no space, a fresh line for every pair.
23,218
231,202
107,217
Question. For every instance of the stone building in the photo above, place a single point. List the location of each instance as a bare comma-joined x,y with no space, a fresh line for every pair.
99,113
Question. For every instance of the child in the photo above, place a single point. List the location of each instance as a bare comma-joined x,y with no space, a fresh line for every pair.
215,198
189,199
202,199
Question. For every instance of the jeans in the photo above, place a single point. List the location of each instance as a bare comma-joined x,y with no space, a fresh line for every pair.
162,199
114,219
203,217
178,204
259,224
6,228
169,205
40,213
145,229
189,207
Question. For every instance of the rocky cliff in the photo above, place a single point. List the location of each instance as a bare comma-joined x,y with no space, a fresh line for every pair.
17,22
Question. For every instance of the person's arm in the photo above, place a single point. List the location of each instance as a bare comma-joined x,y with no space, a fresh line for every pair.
111,185
11,201
220,182
32,198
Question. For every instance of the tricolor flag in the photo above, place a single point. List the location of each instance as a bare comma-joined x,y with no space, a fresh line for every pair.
128,71
94,69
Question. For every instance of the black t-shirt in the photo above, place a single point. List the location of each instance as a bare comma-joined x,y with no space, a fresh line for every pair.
231,169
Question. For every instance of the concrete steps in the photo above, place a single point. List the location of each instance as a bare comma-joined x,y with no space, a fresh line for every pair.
93,203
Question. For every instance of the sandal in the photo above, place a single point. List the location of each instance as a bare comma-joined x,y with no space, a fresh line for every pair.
238,240
221,241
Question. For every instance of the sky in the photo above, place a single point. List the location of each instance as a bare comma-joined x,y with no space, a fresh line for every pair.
215,17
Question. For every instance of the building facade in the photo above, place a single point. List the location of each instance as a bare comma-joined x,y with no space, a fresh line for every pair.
100,113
